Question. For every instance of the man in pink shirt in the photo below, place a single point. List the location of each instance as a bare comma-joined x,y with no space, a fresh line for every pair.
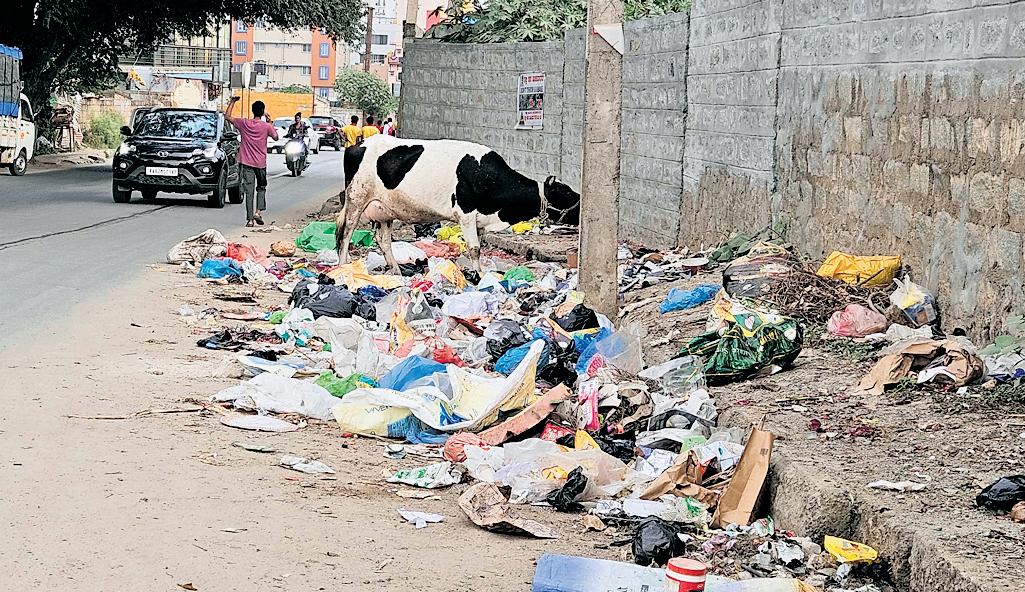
252,155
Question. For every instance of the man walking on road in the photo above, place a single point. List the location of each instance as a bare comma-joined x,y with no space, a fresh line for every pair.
352,132
252,155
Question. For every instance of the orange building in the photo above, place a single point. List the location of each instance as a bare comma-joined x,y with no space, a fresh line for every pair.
307,58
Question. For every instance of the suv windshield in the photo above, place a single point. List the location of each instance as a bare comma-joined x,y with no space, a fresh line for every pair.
320,120
178,124
283,122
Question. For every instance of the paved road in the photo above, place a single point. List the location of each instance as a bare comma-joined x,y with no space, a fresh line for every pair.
63,239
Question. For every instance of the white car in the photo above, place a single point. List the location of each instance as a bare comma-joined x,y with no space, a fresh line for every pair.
282,124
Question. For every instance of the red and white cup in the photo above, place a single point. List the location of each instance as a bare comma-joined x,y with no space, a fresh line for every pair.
685,575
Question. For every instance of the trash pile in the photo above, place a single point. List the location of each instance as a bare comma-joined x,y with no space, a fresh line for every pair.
535,398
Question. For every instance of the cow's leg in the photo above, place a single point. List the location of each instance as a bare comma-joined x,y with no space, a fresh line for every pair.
468,223
389,255
350,220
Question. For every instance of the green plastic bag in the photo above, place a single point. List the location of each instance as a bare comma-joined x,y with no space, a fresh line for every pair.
277,316
340,387
319,236
519,274
736,354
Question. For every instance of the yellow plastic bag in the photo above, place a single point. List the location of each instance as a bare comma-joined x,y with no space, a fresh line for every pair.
866,271
849,551
355,276
584,441
522,227
449,232
445,268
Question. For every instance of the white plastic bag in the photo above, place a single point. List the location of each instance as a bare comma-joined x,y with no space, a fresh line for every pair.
270,393
918,305
407,253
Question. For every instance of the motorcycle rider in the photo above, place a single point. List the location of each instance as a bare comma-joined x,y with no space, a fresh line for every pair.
298,130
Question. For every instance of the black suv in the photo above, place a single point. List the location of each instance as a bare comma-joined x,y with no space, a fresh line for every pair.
330,131
179,151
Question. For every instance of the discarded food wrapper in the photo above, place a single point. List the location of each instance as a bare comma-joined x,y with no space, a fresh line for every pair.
432,476
420,519
902,486
486,507
305,465
849,551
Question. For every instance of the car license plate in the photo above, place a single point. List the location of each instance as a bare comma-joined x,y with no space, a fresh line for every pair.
162,171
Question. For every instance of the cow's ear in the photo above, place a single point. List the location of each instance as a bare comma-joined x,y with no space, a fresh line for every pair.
550,181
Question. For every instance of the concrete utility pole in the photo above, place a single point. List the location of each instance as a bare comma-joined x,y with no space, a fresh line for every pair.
370,38
599,204
409,24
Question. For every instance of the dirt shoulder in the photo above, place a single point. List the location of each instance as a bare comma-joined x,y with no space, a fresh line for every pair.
947,441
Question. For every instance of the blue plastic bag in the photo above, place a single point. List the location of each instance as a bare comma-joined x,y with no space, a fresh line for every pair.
683,299
512,358
409,371
586,344
219,268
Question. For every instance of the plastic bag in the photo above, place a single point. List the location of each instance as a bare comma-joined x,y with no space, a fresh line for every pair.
407,253
568,496
581,317
440,474
408,371
1002,494
512,358
282,249
219,268
846,551
918,305
208,244
860,271
328,257
469,306
339,387
270,393
655,542
519,275
678,299
323,299
440,269
623,349
856,321
243,252
504,335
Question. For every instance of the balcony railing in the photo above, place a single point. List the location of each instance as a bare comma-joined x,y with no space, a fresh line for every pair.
181,56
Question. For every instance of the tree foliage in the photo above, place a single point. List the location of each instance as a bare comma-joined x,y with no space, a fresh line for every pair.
365,91
532,20
74,45
297,89
104,131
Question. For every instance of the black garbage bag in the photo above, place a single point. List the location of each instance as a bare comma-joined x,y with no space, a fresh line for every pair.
562,362
655,542
323,300
1002,494
426,230
579,318
472,277
566,498
223,340
620,448
503,335
410,269
365,308
325,280
534,300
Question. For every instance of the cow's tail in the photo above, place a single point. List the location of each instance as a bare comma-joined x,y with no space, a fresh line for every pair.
340,221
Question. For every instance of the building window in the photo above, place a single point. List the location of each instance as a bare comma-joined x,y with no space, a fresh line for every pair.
306,47
377,58
236,67
240,27
305,70
260,24
241,48
379,39
322,73
325,50
324,92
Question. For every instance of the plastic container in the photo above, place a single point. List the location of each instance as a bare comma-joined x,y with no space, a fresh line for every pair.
685,575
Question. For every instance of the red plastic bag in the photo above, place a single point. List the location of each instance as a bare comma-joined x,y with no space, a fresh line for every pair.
856,321
445,353
243,252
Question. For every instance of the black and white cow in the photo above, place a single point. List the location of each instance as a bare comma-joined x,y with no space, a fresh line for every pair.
388,179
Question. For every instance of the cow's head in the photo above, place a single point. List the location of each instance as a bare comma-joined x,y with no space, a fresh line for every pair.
563,202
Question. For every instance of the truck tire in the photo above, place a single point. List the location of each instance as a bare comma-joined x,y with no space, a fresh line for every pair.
216,199
119,195
20,164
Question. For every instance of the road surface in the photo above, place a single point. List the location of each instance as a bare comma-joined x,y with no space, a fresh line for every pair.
63,239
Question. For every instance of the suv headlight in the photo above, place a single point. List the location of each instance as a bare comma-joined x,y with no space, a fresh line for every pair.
209,152
125,148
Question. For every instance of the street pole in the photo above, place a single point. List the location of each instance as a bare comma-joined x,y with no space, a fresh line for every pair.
409,24
369,39
599,203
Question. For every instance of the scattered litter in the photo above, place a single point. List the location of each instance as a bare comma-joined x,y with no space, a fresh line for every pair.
486,507
305,465
254,447
1002,494
432,476
902,486
259,423
420,519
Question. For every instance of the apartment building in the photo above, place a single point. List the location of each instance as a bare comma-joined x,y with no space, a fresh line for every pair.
385,43
307,58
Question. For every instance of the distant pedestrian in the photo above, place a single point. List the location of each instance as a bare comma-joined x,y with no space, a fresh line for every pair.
352,132
389,128
370,129
252,155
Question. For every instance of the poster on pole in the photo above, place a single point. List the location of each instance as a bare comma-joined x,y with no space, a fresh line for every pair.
530,96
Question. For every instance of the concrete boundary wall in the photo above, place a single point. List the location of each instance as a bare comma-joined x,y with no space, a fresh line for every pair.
872,127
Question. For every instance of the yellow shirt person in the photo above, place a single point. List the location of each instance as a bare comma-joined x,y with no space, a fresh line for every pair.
370,129
353,133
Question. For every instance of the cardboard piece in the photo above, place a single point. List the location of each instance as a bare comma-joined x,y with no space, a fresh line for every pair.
486,507
738,502
953,362
683,479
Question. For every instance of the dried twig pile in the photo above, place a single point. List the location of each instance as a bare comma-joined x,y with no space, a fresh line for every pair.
804,295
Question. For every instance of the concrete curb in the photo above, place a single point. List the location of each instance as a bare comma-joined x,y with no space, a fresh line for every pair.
533,246
815,505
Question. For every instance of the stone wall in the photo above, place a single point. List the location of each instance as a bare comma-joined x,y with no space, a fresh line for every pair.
868,126
654,120
901,130
468,92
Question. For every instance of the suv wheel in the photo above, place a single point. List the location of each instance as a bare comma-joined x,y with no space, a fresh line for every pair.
20,164
235,193
119,195
149,194
216,199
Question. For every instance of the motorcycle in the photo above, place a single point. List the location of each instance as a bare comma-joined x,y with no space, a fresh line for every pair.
296,156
